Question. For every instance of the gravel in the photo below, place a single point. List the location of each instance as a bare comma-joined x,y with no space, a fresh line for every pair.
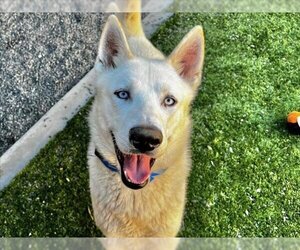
42,56
54,5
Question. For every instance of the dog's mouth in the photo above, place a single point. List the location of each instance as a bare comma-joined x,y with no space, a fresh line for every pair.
135,168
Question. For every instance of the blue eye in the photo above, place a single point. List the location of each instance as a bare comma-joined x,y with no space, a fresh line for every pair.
169,101
122,94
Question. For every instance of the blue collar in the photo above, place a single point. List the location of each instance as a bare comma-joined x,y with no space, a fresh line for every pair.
116,170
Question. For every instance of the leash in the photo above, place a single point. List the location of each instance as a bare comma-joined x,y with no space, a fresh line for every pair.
114,169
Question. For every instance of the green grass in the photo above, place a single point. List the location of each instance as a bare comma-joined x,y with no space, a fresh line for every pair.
235,6
51,196
245,178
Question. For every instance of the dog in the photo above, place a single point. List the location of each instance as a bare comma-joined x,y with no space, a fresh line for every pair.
140,243
139,152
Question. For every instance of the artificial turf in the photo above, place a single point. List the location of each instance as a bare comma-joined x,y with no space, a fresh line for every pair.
245,180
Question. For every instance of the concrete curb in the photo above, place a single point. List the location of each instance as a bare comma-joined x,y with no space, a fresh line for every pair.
55,120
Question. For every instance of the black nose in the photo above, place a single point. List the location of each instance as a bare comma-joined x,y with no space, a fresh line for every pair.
145,138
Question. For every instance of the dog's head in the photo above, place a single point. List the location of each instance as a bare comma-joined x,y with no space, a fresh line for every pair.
144,101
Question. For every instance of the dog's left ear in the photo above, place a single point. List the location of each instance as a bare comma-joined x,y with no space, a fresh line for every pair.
188,57
113,48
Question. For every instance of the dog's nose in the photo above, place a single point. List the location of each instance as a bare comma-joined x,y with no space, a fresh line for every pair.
145,138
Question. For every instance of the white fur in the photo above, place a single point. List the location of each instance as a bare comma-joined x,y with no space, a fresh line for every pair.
157,209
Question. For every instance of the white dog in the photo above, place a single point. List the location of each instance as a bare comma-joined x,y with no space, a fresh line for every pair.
140,129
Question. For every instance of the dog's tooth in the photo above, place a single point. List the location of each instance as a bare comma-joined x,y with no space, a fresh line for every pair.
128,179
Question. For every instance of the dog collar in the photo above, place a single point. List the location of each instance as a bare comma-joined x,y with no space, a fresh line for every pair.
116,170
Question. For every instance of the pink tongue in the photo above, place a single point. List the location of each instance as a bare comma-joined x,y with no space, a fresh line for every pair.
137,168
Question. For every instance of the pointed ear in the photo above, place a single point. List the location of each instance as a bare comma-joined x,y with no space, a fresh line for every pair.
113,48
188,57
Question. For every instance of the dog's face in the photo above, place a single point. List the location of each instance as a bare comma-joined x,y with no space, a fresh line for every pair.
142,100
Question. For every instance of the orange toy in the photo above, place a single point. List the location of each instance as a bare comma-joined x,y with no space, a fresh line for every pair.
293,122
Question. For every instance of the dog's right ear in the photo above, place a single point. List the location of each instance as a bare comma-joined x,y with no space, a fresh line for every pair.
113,48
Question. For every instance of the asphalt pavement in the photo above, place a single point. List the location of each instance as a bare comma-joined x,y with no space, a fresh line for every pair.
42,56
